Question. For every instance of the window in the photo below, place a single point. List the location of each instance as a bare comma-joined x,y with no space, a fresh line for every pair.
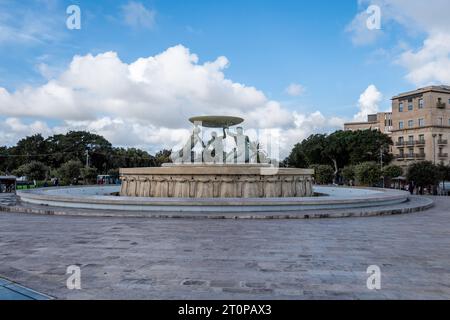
411,153
410,123
421,137
410,105
400,124
440,122
421,122
411,140
421,103
400,107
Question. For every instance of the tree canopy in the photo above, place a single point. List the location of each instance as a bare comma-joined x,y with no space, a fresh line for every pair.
59,149
340,149
367,173
423,174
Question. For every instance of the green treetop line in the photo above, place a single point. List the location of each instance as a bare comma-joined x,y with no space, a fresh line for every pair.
350,157
57,150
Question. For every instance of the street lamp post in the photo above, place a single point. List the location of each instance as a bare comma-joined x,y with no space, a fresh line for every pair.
381,164
434,148
87,158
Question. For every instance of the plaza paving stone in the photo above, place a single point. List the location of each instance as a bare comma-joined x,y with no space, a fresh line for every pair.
125,258
7,199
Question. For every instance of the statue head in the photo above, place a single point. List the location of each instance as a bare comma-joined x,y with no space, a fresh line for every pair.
239,130
214,134
196,130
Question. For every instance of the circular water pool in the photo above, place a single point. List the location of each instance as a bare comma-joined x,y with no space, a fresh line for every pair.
101,198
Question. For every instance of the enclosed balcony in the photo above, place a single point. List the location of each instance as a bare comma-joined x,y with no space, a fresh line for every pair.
420,156
420,142
440,105
405,143
410,156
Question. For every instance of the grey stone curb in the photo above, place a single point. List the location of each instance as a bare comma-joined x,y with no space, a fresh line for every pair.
415,204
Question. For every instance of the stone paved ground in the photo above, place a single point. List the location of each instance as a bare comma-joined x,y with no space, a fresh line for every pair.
7,199
231,259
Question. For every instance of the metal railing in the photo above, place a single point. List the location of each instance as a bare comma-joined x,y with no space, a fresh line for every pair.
410,156
420,142
405,143
440,105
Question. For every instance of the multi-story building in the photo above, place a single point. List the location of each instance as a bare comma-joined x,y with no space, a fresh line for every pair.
381,121
421,125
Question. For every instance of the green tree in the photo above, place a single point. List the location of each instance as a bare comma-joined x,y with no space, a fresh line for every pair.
367,173
323,173
423,174
162,156
89,175
114,173
348,173
30,148
392,171
340,149
61,148
336,149
444,173
5,162
70,171
308,152
369,145
74,145
33,170
131,158
296,158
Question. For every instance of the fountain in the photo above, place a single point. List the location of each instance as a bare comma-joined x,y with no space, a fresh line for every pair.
243,172
216,178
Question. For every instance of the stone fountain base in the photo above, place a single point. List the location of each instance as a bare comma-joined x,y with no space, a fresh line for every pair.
216,181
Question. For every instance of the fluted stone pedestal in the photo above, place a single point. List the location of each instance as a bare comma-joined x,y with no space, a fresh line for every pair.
216,181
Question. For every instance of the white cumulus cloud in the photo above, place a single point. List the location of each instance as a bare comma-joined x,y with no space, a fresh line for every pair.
430,64
146,103
368,103
295,89
136,15
427,64
360,33
14,129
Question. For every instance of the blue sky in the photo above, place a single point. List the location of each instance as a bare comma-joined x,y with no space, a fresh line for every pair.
269,45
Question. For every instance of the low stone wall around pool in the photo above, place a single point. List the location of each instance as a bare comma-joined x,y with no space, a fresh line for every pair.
216,181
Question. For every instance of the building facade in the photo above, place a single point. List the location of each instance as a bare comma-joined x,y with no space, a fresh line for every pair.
381,121
421,125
